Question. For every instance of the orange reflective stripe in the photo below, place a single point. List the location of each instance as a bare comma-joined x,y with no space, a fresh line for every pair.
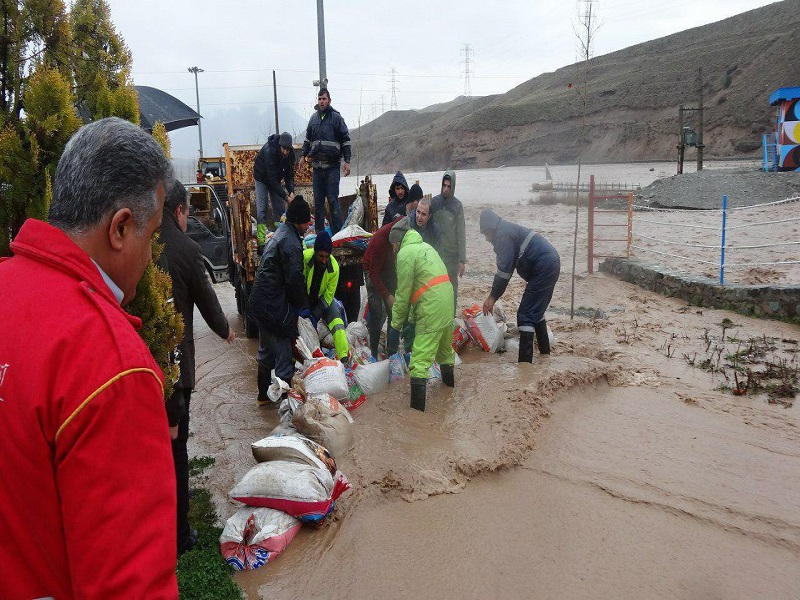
426,286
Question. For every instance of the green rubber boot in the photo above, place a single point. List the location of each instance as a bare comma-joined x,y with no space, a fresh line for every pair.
261,234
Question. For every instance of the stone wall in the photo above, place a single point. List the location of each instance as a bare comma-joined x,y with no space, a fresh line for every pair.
768,301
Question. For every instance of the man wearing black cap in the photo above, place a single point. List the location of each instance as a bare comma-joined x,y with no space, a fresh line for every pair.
537,262
275,161
322,276
279,296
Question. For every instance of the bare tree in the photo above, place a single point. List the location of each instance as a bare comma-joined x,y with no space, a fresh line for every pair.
585,31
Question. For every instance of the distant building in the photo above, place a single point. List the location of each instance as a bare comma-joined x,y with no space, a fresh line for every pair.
786,156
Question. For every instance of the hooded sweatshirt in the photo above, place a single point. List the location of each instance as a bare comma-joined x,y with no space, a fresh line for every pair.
448,214
396,206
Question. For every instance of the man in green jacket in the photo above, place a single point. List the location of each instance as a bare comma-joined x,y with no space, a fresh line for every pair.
322,276
424,297
448,213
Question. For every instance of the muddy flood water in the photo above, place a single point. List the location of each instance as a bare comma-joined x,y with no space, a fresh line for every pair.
614,468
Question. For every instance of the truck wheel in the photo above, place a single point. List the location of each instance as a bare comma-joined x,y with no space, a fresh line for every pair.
250,328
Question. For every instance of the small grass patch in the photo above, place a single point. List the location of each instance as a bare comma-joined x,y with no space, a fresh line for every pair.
202,573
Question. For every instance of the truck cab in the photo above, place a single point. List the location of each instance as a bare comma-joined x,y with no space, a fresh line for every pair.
209,226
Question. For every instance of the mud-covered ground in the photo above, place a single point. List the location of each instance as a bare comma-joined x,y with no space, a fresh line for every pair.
613,468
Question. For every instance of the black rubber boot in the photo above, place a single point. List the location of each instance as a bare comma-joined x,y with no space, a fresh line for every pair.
447,376
542,339
526,346
374,340
264,380
418,388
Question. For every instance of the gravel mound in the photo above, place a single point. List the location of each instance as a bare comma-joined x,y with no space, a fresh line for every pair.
704,189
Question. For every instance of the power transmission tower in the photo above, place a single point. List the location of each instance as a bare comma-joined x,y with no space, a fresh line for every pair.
468,54
383,105
393,81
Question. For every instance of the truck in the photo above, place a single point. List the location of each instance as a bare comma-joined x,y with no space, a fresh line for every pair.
244,256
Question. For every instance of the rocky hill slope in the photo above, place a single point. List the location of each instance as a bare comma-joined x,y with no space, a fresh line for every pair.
633,104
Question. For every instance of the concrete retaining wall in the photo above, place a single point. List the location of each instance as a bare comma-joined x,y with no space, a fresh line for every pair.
768,301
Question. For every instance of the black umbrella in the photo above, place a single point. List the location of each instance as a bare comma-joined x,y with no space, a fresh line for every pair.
155,105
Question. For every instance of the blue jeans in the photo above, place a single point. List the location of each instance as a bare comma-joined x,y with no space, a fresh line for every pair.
326,186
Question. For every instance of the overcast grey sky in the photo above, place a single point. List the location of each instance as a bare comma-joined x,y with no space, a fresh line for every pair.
238,43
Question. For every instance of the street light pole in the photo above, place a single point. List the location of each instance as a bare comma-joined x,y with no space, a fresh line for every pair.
323,75
197,70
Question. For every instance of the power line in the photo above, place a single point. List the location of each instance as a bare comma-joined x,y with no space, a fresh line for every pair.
393,81
468,53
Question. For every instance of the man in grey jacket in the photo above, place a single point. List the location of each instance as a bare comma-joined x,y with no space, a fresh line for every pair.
448,214
190,287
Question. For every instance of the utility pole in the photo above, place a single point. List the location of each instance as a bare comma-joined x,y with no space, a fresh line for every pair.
393,81
197,70
468,53
681,145
275,100
323,73
700,126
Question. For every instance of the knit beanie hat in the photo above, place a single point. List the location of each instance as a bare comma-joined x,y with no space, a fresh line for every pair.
298,211
285,140
415,193
398,231
323,242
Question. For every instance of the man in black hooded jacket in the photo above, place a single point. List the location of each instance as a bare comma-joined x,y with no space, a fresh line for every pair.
398,196
274,162
279,296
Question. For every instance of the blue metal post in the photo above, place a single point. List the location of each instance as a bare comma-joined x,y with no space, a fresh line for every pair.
722,246
765,162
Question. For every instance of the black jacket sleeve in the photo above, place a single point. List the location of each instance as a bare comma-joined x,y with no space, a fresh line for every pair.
293,276
344,138
206,299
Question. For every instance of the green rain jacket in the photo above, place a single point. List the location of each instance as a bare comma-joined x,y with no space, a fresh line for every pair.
448,214
424,294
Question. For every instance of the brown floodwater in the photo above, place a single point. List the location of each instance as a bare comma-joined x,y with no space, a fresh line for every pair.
612,468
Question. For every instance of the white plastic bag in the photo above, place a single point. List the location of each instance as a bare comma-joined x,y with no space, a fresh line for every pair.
277,387
355,215
397,367
484,332
324,334
350,232
372,377
308,333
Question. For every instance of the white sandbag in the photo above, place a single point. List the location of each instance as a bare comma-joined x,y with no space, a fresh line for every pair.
350,232
293,448
325,376
372,377
328,427
484,332
297,489
254,536
357,334
308,333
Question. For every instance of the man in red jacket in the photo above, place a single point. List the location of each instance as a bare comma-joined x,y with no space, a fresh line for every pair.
381,281
87,484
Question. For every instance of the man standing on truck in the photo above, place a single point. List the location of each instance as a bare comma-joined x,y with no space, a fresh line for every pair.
190,287
327,143
274,162
322,276
88,486
538,263
279,296
424,297
448,214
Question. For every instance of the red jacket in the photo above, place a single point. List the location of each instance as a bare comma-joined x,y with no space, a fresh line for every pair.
378,261
87,482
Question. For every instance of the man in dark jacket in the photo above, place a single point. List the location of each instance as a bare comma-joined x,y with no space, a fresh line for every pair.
190,287
327,143
279,295
537,262
419,218
274,162
398,196
448,214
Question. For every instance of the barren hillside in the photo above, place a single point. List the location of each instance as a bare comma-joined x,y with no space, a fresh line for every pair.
633,104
